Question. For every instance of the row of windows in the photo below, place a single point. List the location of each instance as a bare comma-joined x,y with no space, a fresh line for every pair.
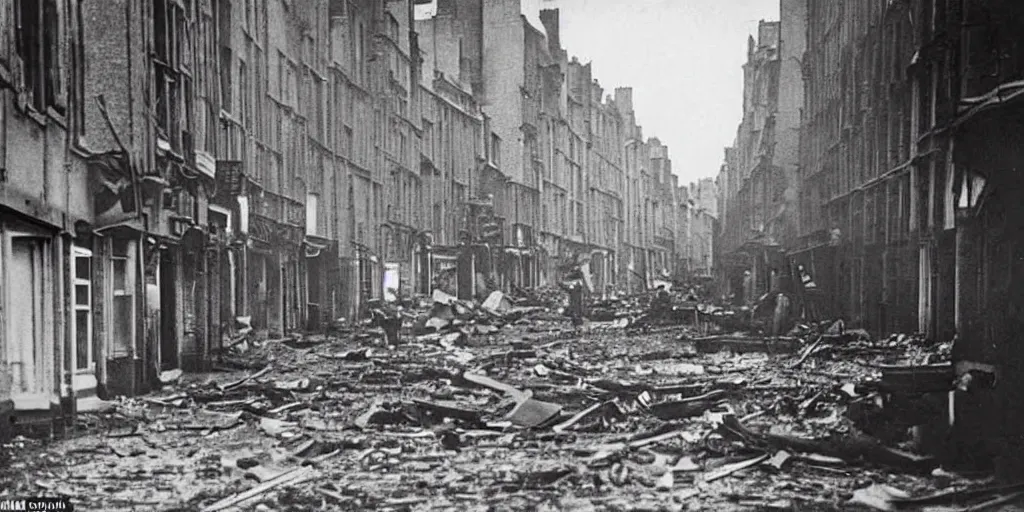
33,54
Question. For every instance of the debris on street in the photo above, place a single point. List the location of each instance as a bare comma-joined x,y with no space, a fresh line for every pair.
521,415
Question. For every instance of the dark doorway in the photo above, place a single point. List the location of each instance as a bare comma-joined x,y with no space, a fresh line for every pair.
314,286
285,296
168,313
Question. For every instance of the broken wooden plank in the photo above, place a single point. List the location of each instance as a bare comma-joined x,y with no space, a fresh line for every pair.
644,441
288,477
807,352
580,416
742,345
687,407
333,495
853,448
449,409
729,469
487,382
243,380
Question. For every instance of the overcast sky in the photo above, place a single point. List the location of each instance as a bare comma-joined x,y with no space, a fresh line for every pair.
683,59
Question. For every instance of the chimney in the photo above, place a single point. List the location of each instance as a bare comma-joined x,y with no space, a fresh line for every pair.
549,18
624,98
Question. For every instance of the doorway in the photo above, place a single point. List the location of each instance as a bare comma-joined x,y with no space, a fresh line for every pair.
85,349
168,313
26,348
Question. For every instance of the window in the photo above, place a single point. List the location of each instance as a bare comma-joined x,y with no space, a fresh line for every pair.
225,78
249,23
360,57
579,218
82,321
259,94
5,28
291,86
244,96
38,40
78,75
224,35
495,150
280,76
168,23
312,205
123,291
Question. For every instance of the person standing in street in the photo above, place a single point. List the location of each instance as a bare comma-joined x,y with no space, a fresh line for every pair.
811,298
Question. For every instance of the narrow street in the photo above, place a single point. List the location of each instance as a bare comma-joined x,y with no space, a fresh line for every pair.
608,417
296,255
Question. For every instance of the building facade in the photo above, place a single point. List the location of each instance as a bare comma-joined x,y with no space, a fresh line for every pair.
697,230
967,71
570,156
908,208
752,182
172,170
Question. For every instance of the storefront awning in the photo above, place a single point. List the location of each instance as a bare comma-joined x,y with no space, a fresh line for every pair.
123,229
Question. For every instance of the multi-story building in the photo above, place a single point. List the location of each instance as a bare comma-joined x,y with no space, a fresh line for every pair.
662,204
634,261
701,213
170,169
601,197
909,214
856,232
967,72
466,193
46,208
113,248
559,198
752,180
910,211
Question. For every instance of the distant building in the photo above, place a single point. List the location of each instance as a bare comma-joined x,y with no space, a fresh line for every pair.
758,175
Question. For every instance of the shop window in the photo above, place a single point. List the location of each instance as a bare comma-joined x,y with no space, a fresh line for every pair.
123,291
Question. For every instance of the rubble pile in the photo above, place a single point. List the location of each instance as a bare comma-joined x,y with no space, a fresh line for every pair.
502,405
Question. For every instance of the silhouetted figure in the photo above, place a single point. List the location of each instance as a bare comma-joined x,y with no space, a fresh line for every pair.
387,318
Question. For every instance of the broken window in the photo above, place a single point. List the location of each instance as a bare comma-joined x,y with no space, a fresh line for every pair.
38,42
224,33
168,56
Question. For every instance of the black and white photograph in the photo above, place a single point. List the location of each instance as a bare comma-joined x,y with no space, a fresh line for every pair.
503,255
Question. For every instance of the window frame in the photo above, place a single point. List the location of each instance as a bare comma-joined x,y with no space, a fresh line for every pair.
90,359
44,94
126,347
